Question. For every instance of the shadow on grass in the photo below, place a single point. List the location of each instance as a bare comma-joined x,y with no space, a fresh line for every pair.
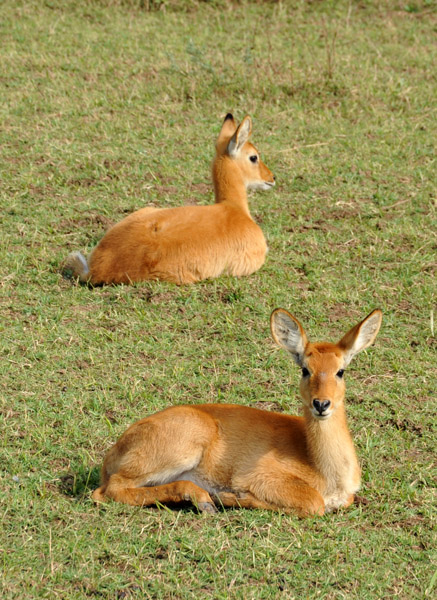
80,483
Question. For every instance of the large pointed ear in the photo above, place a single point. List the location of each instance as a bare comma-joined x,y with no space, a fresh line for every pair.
240,137
361,336
288,333
228,129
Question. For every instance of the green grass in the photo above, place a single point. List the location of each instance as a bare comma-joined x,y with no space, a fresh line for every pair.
106,107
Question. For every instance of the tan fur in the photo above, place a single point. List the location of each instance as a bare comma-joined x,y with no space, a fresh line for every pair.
239,456
189,243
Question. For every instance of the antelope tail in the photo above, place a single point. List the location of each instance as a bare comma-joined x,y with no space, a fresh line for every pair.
76,266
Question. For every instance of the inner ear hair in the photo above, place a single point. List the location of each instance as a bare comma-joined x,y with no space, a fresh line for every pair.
240,137
361,336
288,333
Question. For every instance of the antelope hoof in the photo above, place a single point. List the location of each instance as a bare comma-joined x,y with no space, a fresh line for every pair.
98,497
360,500
207,507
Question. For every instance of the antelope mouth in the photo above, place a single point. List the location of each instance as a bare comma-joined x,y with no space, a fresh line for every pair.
321,416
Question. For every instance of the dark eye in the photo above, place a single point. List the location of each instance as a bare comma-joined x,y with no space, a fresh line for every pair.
340,373
305,372
253,158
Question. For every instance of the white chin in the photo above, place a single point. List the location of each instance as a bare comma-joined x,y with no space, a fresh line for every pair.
261,185
320,417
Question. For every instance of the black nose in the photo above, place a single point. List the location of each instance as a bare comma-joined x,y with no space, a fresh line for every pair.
321,406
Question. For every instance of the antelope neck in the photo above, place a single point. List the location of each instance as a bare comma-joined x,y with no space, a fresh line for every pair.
228,184
329,442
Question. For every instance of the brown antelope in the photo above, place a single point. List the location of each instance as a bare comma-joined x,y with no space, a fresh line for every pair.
224,454
189,243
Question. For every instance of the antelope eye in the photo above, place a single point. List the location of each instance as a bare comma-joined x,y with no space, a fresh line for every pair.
253,158
340,373
305,372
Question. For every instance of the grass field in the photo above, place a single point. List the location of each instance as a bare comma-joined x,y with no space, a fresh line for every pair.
106,107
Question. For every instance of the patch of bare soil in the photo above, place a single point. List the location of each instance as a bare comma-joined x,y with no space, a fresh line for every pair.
95,220
167,190
405,425
148,295
268,405
339,311
201,188
318,225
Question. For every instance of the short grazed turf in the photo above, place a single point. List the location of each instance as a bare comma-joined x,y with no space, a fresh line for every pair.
108,106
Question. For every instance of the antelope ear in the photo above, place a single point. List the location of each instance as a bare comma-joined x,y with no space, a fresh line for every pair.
240,137
227,131
288,333
361,336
